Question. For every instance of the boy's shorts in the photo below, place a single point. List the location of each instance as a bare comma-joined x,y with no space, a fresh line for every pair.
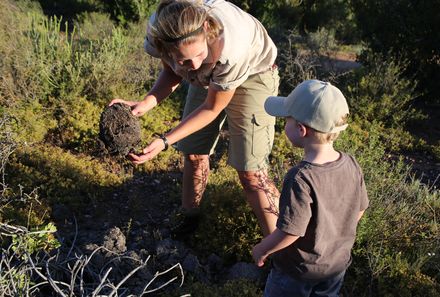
279,284
251,129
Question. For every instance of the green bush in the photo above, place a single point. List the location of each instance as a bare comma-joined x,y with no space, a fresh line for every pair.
378,91
57,80
35,241
60,176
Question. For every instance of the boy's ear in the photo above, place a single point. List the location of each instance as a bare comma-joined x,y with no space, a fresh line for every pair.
302,129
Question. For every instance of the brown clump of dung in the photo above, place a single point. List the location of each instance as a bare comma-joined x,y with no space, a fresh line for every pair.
119,129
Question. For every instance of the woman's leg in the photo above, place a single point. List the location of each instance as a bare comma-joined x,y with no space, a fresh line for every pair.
195,179
196,149
251,135
263,197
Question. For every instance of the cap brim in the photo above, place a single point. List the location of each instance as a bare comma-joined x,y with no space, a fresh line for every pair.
275,106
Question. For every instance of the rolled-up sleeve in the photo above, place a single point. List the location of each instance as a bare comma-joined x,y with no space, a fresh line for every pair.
227,77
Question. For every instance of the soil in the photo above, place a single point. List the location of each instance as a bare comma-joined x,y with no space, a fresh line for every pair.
133,223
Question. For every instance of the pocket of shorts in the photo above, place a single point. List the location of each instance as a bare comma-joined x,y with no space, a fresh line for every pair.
270,79
262,134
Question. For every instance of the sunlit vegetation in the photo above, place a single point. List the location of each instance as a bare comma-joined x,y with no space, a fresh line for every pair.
57,74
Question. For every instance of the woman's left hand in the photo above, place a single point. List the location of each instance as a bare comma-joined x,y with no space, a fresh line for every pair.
148,153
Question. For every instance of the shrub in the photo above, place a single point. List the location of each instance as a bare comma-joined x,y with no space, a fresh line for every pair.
56,79
379,92
60,176
35,241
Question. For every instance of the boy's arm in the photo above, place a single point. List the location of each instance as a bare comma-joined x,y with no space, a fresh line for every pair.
274,242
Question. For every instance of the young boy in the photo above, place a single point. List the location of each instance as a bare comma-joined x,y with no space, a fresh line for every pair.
322,200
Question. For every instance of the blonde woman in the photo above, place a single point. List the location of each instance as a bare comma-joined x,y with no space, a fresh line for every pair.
227,58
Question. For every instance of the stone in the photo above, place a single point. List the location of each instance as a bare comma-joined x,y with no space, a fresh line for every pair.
242,270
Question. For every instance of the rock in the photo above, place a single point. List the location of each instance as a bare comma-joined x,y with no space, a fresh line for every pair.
115,241
215,263
60,212
164,247
242,270
191,263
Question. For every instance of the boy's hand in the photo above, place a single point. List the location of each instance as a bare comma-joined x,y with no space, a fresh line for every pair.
259,255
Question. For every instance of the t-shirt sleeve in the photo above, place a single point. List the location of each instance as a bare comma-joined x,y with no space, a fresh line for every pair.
235,62
228,76
295,207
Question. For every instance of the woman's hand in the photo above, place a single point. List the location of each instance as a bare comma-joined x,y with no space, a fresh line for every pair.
149,152
138,108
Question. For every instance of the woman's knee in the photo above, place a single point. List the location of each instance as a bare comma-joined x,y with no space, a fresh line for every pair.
255,180
197,160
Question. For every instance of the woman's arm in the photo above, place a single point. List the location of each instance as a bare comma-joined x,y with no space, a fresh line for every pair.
215,102
272,243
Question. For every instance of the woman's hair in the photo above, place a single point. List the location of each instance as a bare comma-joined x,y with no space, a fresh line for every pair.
180,22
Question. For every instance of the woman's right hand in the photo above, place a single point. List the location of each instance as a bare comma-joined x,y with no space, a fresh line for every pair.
138,108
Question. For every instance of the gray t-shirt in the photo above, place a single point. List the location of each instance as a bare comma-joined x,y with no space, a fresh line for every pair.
321,204
246,49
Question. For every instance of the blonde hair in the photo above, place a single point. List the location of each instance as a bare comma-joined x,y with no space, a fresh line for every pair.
328,137
181,22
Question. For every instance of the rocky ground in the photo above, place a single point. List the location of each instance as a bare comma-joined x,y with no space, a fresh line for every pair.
134,221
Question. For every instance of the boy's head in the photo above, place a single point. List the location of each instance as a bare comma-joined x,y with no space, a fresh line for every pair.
315,104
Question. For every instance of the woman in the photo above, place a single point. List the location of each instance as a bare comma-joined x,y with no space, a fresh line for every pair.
227,57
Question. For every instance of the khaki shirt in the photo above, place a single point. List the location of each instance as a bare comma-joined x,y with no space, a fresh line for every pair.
246,49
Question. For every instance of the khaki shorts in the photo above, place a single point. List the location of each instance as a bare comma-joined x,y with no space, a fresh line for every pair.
251,129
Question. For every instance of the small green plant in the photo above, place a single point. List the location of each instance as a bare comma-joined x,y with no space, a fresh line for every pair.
38,239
